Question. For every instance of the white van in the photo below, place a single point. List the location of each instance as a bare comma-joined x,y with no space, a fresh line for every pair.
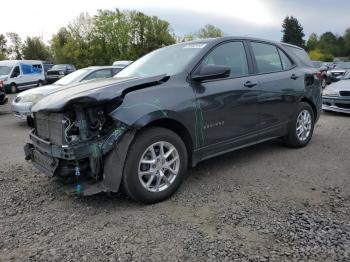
21,74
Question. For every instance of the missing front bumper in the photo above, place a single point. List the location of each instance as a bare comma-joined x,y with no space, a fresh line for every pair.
55,160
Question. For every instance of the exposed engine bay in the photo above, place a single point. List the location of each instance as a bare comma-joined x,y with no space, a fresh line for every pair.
74,144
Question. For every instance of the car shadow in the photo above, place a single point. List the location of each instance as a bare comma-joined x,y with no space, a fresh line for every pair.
219,163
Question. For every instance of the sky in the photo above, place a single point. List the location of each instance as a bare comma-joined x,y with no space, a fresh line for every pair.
258,18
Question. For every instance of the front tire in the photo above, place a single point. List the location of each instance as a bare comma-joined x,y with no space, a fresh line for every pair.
40,83
301,127
155,165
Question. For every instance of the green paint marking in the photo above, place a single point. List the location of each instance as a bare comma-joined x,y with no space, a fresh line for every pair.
156,101
196,124
201,122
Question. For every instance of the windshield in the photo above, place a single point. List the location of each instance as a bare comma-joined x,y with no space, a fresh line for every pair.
169,60
58,67
342,66
72,77
4,70
317,64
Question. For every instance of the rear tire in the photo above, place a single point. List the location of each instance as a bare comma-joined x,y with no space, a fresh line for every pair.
147,177
301,127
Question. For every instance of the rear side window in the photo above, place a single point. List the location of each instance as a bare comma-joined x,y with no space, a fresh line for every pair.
286,63
300,54
230,54
105,73
267,58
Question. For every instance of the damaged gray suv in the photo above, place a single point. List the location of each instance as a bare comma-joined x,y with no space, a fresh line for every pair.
141,130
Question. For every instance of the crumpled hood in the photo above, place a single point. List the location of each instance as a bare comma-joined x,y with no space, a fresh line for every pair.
97,91
341,85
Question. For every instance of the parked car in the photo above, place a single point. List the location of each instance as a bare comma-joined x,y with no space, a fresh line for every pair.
59,71
122,63
47,67
22,103
171,109
21,74
337,72
3,97
322,68
336,97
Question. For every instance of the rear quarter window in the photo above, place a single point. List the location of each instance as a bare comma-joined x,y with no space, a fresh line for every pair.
300,54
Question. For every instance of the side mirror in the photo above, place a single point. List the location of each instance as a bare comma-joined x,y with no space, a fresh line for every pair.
208,72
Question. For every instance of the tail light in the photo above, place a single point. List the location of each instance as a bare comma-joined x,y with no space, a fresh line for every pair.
319,75
1,84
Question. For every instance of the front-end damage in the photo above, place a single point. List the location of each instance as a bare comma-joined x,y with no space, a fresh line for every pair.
79,136
82,145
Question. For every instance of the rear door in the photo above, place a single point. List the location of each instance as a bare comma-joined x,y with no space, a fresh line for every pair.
226,110
281,84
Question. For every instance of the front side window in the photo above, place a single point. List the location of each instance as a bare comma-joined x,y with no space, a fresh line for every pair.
232,55
105,73
15,72
266,57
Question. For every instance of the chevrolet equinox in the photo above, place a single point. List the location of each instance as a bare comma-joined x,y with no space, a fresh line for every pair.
176,106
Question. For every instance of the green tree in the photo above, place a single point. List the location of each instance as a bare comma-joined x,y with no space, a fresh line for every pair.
34,48
327,43
209,31
3,47
317,54
347,42
15,48
57,45
109,36
78,49
129,34
293,32
312,42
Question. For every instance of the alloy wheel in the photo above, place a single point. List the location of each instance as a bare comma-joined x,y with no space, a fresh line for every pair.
159,166
304,125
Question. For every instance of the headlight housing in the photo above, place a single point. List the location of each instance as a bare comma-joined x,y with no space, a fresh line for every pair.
33,98
330,92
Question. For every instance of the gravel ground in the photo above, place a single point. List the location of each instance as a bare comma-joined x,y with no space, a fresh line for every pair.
265,203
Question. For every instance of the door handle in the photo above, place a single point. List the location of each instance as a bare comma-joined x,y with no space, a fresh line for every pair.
250,84
294,77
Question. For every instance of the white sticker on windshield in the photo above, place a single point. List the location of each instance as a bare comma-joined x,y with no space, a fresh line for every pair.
195,45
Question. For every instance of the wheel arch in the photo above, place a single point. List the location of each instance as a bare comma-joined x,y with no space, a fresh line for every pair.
178,129
313,106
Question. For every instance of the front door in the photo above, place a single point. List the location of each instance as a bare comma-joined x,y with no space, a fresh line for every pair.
226,109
